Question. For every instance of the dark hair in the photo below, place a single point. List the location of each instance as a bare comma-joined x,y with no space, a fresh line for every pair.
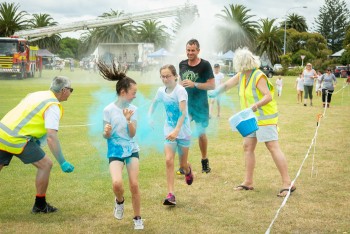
216,65
171,68
193,42
112,73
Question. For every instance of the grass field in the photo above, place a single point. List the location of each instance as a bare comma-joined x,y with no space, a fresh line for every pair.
85,199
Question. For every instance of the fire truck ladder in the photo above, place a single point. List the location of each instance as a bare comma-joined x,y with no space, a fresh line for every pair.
38,33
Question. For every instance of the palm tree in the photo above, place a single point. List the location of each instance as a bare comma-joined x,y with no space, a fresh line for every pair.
269,40
124,32
44,20
11,20
295,21
152,31
236,30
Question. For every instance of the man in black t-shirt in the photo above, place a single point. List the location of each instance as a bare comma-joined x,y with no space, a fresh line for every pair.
197,77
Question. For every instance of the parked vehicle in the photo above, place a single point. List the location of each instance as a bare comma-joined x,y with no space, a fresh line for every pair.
267,70
277,67
342,71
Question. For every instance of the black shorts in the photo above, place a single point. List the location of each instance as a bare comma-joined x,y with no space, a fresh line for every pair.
124,160
31,153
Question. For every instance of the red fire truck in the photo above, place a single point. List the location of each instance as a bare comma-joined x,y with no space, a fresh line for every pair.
17,57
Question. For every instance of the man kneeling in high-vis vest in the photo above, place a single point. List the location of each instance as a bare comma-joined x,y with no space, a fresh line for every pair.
22,130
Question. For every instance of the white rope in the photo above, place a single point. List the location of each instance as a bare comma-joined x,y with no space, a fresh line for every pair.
76,125
293,182
344,86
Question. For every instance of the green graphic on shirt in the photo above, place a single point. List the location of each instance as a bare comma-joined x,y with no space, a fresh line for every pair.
190,75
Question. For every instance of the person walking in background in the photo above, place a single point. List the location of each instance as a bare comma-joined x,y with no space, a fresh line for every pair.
34,121
318,84
279,84
299,85
120,123
328,81
309,75
197,77
257,92
219,77
177,129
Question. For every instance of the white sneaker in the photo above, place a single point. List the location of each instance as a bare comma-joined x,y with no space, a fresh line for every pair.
138,224
119,211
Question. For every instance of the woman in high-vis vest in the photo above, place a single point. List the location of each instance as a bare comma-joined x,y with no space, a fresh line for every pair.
22,130
256,92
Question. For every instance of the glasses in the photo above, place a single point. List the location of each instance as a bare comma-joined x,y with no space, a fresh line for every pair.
70,89
166,77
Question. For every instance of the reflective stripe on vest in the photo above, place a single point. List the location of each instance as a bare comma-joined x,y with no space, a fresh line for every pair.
14,135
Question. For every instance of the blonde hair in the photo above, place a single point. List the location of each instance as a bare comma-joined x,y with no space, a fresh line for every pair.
245,60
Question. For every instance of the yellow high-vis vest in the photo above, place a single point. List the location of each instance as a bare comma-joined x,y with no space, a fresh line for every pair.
249,94
26,121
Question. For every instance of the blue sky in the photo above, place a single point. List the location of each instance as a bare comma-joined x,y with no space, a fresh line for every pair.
64,11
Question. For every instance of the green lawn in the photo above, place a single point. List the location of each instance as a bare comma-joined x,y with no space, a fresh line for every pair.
85,198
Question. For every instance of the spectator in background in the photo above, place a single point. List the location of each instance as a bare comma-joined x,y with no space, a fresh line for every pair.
309,75
318,84
299,85
219,77
279,84
328,81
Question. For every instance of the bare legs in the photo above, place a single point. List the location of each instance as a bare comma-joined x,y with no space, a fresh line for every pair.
132,166
277,155
43,174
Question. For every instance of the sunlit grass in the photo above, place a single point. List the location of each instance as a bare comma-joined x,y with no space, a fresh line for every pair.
85,199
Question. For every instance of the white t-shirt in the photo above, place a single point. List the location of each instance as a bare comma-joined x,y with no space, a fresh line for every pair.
218,79
300,83
120,144
52,117
279,83
171,103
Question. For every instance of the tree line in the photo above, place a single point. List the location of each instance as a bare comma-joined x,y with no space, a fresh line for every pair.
331,33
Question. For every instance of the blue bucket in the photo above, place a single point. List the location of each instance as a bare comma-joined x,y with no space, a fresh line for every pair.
244,122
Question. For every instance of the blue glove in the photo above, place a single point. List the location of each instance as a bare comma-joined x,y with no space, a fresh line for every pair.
67,167
213,93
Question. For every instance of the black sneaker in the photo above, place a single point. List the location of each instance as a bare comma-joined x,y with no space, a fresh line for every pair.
47,209
180,171
205,166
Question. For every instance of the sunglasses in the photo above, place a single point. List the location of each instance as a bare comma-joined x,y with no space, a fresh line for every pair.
70,89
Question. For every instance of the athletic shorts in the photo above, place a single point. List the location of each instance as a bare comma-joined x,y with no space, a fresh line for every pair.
31,153
179,142
265,133
126,159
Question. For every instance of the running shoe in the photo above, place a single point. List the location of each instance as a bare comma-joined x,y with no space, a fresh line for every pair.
205,166
170,200
180,171
189,176
47,209
119,210
138,223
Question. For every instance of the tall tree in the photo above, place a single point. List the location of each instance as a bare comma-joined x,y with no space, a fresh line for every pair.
44,20
332,22
237,29
118,33
269,40
11,19
295,21
152,31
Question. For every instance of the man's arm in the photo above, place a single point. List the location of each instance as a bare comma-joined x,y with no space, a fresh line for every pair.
209,85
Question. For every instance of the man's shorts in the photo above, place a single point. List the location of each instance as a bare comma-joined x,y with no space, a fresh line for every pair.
265,133
125,160
31,153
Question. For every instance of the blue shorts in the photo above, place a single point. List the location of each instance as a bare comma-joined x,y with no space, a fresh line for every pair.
265,133
179,142
31,153
125,160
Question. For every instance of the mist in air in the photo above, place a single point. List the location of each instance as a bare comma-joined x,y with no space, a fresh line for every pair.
151,138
